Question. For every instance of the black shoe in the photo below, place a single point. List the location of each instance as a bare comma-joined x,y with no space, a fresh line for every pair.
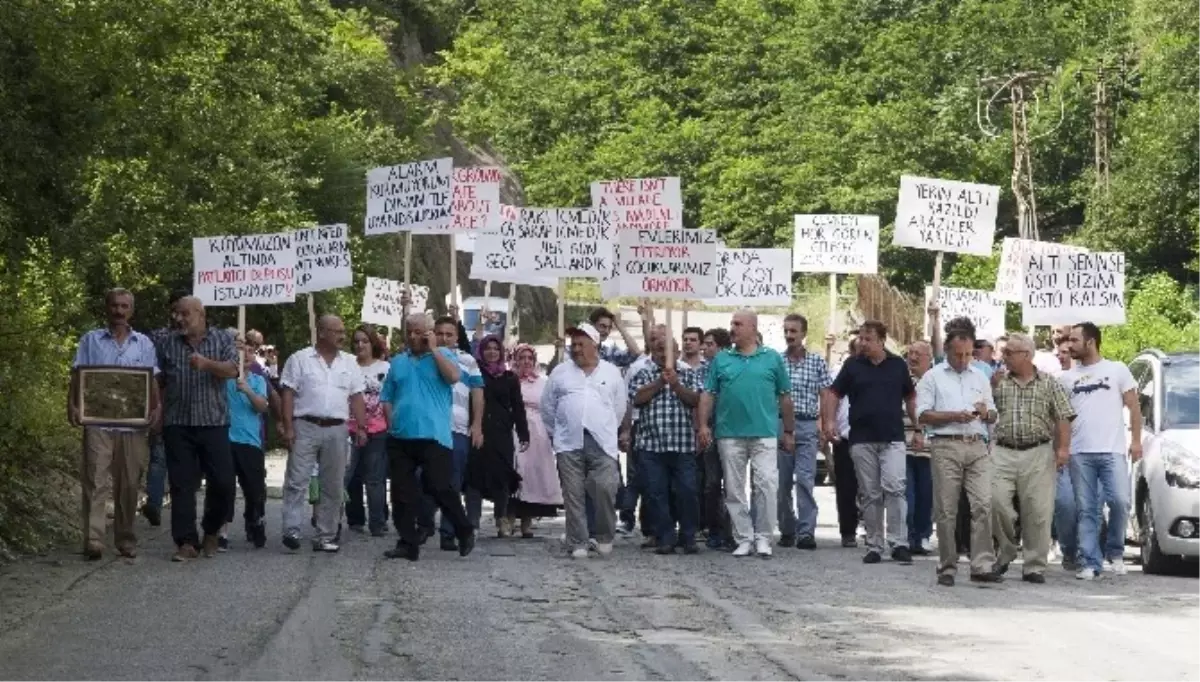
1035,578
664,549
449,544
650,543
357,529
423,535
378,532
806,542
258,535
403,550
152,514
466,543
872,557
849,542
787,541
946,580
917,550
291,541
1000,569
901,555
991,577
222,544
691,548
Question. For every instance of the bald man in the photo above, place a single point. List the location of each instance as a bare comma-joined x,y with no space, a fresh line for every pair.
195,360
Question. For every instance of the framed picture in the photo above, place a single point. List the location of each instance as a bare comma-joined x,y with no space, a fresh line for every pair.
114,396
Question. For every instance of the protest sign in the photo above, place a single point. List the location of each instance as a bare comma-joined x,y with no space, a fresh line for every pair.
382,302
984,310
668,263
1074,287
753,277
946,215
565,242
845,244
495,255
641,203
1013,252
412,197
250,270
322,258
475,199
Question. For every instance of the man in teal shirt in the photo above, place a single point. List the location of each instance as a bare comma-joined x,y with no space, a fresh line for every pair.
752,392
418,394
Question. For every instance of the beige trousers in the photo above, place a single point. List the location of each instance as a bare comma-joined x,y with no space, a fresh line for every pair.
112,467
959,466
1030,475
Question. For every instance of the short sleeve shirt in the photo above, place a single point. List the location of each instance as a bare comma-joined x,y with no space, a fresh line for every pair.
876,394
192,397
747,389
245,423
1097,393
421,399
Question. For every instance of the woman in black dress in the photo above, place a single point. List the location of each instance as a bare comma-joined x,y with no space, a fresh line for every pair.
491,469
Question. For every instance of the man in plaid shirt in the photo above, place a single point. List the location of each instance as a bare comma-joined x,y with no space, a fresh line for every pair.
667,442
809,376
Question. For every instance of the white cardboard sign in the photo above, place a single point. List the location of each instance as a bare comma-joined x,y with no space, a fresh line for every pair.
475,199
244,270
1074,287
844,244
496,254
946,215
753,277
1009,280
382,302
983,308
667,263
411,197
641,203
322,258
565,242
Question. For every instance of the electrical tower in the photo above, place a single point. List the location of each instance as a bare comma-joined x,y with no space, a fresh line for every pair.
1112,79
1019,91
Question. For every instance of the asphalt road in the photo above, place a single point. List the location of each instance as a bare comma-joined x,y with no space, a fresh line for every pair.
517,609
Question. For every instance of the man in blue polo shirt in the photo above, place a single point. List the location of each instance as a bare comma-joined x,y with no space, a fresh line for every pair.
418,394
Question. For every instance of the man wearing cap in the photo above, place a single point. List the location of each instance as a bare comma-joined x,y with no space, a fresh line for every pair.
582,406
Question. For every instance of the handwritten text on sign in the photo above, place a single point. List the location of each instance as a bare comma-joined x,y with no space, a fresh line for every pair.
322,258
411,197
475,202
1014,252
846,244
641,203
946,215
1073,288
747,277
496,254
669,263
565,242
382,302
984,310
250,270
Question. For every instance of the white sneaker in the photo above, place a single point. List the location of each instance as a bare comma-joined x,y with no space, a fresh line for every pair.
1086,574
762,547
579,554
604,548
927,545
1116,567
743,549
1054,555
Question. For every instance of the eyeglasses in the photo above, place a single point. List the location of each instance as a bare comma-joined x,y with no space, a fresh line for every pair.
1010,351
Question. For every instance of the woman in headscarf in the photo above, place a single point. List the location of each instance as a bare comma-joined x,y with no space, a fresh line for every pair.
491,469
540,494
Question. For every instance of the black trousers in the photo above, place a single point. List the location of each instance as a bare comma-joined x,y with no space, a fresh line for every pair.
250,467
437,470
192,451
845,489
714,516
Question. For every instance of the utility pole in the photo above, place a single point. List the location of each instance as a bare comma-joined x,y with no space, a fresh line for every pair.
1111,76
1019,91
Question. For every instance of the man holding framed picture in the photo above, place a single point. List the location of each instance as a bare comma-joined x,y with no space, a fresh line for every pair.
115,407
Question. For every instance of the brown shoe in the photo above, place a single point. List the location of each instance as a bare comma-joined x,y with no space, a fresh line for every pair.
212,544
93,551
526,527
185,553
128,551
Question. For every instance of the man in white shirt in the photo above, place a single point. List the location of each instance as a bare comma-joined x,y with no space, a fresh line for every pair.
582,406
466,428
322,386
1099,389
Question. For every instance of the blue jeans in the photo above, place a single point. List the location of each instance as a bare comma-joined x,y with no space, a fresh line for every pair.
156,475
664,474
1100,476
920,500
634,486
798,474
1066,515
368,468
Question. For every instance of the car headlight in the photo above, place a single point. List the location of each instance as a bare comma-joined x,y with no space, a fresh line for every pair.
1181,466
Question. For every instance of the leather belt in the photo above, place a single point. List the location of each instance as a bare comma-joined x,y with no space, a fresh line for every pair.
962,438
1028,446
805,418
322,421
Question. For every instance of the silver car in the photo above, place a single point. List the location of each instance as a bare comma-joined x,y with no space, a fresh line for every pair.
1164,518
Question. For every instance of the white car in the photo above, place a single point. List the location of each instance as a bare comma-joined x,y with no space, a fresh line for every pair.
1164,517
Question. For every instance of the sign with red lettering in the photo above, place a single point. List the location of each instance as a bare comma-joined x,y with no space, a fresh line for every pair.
668,263
946,215
322,258
410,197
565,242
475,199
641,203
244,270
843,244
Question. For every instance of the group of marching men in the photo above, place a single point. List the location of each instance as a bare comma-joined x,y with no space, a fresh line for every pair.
721,443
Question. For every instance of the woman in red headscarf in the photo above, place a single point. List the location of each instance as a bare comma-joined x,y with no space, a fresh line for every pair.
539,495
